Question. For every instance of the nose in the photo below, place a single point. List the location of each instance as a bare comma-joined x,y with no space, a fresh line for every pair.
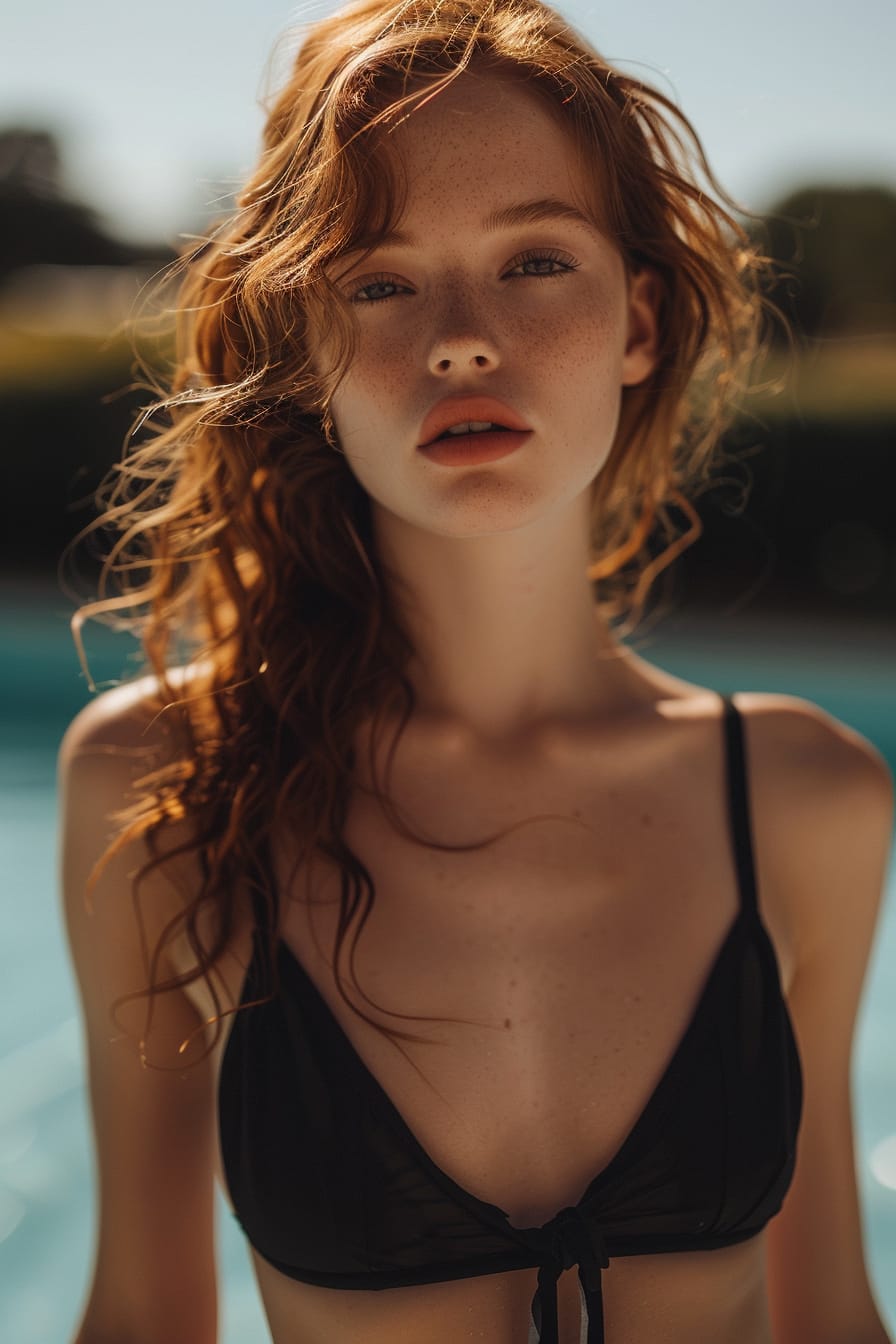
462,341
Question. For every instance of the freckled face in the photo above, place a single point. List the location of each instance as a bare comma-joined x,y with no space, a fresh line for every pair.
539,315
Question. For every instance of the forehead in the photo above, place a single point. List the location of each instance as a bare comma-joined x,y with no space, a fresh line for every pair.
486,135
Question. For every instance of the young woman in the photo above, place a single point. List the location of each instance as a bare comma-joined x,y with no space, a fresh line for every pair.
507,982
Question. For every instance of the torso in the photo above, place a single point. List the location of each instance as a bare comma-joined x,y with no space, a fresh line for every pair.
576,949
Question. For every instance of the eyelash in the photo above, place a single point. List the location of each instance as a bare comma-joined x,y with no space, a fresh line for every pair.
545,254
568,263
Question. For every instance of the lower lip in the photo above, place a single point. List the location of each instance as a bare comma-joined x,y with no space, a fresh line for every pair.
466,450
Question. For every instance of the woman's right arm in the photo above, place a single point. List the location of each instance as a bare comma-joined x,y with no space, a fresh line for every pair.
153,1276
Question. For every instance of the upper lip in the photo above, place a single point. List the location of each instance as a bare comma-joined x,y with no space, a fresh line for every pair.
457,410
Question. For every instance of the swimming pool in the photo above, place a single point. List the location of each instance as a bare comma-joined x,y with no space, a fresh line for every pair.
46,1182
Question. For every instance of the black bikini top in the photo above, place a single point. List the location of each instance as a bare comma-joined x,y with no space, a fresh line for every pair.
332,1188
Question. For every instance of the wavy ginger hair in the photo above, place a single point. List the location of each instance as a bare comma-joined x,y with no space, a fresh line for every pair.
243,535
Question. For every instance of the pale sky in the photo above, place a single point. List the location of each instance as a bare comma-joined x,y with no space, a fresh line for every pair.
156,107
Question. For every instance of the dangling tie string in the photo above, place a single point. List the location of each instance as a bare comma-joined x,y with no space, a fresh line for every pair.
569,1240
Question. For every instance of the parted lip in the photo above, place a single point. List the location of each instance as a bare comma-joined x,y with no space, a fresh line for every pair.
457,410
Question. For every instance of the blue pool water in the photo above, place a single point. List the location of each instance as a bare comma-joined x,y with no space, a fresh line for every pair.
46,1182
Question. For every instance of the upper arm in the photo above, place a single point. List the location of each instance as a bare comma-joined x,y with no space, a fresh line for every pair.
154,1276
833,794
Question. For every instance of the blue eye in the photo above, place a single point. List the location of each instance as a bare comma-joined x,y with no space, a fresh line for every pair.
378,282
548,264
543,260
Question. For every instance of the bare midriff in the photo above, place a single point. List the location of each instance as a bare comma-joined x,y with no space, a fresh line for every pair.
714,1297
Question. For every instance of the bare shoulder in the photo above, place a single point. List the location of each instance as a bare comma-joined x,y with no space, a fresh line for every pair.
108,751
801,752
119,725
804,734
822,798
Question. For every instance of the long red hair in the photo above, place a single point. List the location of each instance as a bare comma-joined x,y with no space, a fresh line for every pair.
244,545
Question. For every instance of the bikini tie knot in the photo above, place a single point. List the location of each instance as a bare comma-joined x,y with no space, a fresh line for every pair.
573,1240
569,1240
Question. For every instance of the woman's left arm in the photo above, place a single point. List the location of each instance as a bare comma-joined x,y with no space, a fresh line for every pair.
834,800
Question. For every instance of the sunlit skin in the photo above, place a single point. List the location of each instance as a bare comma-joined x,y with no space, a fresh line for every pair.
554,968
541,315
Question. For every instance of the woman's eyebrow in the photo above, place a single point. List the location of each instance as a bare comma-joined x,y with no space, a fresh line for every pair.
536,212
508,217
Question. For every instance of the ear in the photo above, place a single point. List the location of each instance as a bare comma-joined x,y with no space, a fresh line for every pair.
642,341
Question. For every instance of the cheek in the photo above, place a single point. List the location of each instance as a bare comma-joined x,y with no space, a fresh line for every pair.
387,350
382,368
370,409
577,347
577,351
366,391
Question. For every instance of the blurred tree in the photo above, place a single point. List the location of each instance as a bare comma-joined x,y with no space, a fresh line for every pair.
29,162
38,226
837,246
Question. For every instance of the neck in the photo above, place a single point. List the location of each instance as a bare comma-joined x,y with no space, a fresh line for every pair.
506,634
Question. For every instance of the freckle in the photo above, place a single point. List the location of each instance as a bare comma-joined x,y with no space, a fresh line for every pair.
513,984
506,1023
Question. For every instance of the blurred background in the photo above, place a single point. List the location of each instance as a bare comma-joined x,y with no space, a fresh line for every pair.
125,131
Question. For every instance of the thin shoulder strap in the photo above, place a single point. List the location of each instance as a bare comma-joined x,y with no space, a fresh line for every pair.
739,803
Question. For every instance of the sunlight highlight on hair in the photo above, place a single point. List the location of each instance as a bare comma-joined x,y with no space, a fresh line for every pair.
243,543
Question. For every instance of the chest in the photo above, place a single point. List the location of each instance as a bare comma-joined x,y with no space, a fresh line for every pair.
552,972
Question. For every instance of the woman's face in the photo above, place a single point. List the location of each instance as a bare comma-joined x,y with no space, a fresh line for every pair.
535,311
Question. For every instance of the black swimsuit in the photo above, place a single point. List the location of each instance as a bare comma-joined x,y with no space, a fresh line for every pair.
332,1188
